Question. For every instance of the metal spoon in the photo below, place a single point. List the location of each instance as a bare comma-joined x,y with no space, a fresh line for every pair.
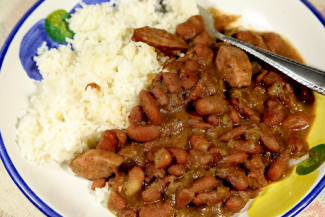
305,75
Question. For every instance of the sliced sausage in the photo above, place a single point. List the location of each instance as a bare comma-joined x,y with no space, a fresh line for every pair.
273,41
96,164
252,38
203,54
192,27
150,107
152,173
98,183
188,79
116,201
234,66
143,133
159,38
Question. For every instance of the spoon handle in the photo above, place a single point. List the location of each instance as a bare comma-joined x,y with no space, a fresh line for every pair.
306,75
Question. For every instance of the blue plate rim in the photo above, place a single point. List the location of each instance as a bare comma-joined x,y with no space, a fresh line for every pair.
46,209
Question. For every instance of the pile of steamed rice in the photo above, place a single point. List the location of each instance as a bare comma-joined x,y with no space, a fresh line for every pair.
64,119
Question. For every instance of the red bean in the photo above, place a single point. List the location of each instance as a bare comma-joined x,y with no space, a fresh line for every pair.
152,173
108,141
247,146
176,170
213,197
213,120
215,153
203,38
179,154
268,139
150,107
235,203
259,176
204,184
137,115
98,183
244,109
236,158
158,209
183,197
200,143
211,105
172,82
154,191
162,158
192,27
234,115
254,163
251,38
143,133
296,121
121,136
294,143
160,96
203,54
197,91
275,112
233,133
234,176
116,201
279,166
188,79
272,77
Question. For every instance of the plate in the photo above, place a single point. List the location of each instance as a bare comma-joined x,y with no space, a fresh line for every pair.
57,193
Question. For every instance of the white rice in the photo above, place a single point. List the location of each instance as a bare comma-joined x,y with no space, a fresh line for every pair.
63,119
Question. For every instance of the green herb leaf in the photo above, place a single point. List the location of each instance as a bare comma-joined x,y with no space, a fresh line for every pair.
317,158
57,27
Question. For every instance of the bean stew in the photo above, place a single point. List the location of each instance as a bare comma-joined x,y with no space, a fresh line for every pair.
213,129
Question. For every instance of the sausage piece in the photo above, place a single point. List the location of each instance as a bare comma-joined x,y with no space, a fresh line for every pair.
188,79
192,27
116,201
96,164
135,180
159,38
234,66
108,141
150,107
200,143
98,183
143,133
154,191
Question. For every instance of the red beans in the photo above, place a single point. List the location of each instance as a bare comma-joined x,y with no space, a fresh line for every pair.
233,133
108,141
268,139
154,192
172,82
235,177
203,184
247,146
213,197
183,197
235,203
275,112
296,121
179,154
176,170
150,107
162,158
137,115
135,181
200,143
143,133
116,201
160,96
279,166
157,209
188,79
211,105
236,158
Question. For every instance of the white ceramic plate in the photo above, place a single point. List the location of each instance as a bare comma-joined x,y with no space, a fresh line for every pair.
55,192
